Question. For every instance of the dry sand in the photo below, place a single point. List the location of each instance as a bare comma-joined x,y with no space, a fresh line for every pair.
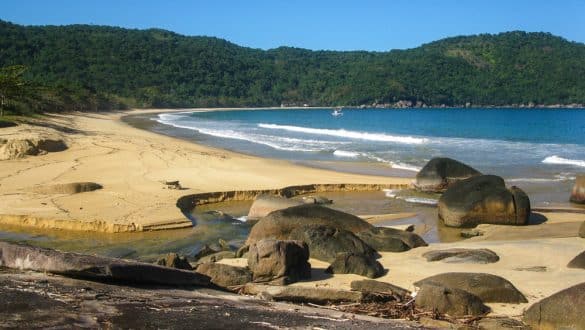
132,165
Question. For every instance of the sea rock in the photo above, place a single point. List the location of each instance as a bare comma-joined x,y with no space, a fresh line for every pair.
582,230
173,260
471,256
578,192
300,294
390,239
94,267
283,261
377,287
68,188
483,199
452,301
562,310
225,276
578,261
439,173
279,224
217,256
325,242
316,200
488,287
264,204
355,263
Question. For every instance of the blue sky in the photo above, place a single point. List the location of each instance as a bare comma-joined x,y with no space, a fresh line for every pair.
339,25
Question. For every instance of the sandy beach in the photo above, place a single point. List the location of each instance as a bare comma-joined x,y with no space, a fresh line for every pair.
132,166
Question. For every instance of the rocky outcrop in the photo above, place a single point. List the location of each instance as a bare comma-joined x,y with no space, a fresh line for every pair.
225,276
173,260
279,224
264,204
20,147
578,192
326,242
440,173
390,239
377,287
354,263
279,262
67,188
483,199
300,294
452,301
93,267
578,261
562,310
488,287
470,256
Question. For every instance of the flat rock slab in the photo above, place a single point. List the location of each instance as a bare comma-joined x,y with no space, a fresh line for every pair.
562,310
470,256
300,294
94,267
488,287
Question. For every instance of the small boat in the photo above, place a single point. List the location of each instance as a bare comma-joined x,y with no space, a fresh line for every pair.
337,112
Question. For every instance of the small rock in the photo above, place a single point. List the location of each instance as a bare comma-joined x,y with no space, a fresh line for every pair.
316,200
354,263
373,286
173,260
390,239
225,276
214,257
469,233
452,301
472,256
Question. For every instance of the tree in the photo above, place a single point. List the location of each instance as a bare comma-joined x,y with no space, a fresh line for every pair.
12,86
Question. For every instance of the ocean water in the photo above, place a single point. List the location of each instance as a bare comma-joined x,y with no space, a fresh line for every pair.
522,145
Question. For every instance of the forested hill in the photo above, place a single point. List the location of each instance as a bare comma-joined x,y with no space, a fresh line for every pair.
161,68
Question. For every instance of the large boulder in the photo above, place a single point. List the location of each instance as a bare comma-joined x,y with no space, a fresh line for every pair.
390,239
264,204
562,310
488,287
439,173
174,260
325,242
483,199
471,256
452,301
578,261
225,276
279,224
355,263
94,267
578,192
280,262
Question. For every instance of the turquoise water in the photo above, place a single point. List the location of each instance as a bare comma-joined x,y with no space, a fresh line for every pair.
522,145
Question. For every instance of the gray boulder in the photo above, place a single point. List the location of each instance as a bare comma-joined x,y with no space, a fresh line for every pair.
390,239
439,173
264,204
471,256
578,192
354,263
377,287
452,301
483,199
325,242
280,262
94,267
279,224
562,310
174,260
488,287
225,276
578,261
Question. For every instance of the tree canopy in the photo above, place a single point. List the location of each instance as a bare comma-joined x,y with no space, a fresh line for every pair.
100,67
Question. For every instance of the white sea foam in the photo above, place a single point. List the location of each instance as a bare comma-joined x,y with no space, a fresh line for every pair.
533,180
349,154
420,200
243,218
347,134
563,161
390,192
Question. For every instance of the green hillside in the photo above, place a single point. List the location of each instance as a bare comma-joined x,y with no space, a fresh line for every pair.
103,67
